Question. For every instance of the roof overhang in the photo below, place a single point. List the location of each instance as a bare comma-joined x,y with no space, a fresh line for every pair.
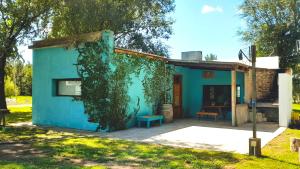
67,41
210,65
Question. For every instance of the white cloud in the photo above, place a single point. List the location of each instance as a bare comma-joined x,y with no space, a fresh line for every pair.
209,9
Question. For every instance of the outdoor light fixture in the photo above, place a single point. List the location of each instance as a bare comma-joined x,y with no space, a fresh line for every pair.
241,54
254,142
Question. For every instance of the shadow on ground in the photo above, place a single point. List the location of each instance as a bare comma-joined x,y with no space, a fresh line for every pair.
75,150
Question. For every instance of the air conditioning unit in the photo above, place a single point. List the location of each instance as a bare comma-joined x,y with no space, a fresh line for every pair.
298,45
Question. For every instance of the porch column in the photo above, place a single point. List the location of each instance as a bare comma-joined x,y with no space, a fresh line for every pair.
233,97
248,86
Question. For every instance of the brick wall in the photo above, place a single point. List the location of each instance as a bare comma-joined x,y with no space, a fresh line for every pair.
267,85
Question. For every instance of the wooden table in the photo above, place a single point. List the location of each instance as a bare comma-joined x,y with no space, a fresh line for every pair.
200,114
219,109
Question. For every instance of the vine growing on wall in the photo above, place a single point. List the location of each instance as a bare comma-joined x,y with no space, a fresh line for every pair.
94,72
106,78
157,83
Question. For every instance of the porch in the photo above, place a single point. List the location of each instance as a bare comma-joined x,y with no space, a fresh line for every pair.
193,133
209,86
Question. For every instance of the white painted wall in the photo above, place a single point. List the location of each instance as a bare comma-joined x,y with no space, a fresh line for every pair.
285,86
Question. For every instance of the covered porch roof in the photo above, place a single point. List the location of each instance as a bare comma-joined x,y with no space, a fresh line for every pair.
210,65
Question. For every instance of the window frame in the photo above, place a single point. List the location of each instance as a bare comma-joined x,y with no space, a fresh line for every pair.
238,99
65,79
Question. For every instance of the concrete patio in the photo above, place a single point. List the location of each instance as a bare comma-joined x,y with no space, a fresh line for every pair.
192,133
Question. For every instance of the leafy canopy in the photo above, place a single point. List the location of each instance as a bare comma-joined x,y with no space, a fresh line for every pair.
273,25
211,57
20,20
137,24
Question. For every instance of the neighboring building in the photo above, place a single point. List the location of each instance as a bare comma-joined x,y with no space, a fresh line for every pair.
198,85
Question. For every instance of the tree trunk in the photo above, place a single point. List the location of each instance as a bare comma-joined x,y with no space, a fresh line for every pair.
2,74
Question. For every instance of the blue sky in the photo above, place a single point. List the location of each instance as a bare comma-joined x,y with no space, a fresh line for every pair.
207,25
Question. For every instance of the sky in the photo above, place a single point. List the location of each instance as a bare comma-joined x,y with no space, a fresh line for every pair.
207,25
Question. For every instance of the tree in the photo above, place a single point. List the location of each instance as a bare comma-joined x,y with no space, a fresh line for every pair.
20,20
273,26
26,81
211,57
21,74
10,88
137,24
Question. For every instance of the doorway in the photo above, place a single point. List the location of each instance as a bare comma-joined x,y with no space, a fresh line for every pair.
177,95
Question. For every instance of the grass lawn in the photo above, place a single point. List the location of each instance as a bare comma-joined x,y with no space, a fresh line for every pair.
296,107
21,110
45,148
19,114
70,150
277,154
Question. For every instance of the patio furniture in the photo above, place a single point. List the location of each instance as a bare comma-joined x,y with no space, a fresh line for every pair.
3,113
219,108
214,114
149,119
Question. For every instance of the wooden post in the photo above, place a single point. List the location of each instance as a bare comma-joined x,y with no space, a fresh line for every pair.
294,144
248,86
233,98
253,57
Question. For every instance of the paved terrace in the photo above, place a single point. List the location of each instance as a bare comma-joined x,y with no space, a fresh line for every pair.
192,133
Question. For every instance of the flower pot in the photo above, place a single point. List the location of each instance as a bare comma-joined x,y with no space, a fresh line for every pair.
167,112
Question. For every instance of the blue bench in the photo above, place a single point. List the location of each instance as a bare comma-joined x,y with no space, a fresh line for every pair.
149,119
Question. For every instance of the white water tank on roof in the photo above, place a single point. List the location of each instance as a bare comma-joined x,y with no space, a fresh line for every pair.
191,55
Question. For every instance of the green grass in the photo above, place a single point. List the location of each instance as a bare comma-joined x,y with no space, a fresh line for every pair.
61,147
296,107
277,154
19,114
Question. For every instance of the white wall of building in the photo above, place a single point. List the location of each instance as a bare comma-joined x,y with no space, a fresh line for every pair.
285,86
270,62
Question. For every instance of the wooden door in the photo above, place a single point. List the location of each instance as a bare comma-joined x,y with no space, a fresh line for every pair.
177,97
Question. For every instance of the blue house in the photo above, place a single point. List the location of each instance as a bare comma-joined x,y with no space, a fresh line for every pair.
197,85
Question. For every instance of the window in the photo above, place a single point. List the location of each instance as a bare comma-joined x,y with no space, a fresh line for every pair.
238,94
219,95
68,87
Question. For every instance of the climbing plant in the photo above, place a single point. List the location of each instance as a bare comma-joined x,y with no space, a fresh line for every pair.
106,78
157,83
94,72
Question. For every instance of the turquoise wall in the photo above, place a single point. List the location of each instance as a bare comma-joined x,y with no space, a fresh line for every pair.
47,108
192,87
50,64
62,111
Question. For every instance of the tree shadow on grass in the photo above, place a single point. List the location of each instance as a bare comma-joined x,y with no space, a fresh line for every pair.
70,147
138,154
19,115
39,163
